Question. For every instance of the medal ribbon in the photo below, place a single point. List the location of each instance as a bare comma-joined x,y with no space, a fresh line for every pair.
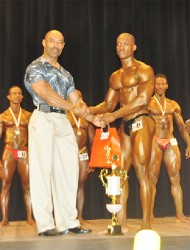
17,122
77,122
162,110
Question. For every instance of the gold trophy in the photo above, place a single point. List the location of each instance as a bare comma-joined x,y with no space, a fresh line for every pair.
113,186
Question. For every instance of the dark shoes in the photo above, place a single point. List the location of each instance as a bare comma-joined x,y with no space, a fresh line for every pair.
79,230
63,232
51,232
75,230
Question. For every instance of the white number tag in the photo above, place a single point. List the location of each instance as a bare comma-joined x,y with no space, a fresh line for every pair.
83,157
21,154
173,141
137,126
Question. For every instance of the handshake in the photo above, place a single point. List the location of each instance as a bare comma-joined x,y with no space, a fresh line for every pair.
99,120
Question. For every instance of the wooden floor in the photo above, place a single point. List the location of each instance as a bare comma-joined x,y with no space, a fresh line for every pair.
19,235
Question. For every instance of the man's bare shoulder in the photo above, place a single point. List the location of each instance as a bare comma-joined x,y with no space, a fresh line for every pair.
116,73
142,64
27,113
171,102
152,100
3,115
143,67
146,78
173,106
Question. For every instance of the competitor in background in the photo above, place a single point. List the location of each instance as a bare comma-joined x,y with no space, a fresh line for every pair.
165,146
84,131
14,122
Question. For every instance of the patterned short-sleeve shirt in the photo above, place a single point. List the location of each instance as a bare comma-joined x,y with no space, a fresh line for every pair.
59,79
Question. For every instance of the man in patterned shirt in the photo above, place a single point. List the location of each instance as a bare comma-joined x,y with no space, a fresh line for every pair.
53,150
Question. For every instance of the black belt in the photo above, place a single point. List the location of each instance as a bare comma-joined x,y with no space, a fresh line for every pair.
48,109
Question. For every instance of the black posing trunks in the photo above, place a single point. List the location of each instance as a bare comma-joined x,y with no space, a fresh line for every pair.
128,124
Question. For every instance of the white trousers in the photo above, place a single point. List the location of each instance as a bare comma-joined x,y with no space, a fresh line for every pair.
53,171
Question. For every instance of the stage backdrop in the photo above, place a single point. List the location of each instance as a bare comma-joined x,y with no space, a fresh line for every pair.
162,32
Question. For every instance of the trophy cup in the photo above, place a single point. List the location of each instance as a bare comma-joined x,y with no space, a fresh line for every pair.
115,182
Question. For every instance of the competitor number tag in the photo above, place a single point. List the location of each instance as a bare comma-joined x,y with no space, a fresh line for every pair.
83,157
21,154
173,141
137,126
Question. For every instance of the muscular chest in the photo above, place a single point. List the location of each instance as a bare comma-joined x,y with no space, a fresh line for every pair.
127,78
126,82
161,109
8,121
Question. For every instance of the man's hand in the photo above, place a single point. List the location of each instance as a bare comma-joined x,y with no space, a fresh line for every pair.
108,118
81,110
98,121
187,125
187,152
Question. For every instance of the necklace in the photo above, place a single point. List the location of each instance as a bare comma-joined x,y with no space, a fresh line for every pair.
163,111
17,122
77,122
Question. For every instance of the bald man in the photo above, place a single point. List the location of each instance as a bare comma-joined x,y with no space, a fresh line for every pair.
53,149
131,86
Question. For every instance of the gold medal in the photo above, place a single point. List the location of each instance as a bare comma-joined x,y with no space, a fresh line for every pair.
78,132
17,132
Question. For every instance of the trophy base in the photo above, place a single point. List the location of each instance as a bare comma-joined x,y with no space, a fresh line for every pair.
114,230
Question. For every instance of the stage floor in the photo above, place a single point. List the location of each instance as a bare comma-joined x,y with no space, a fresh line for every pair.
20,236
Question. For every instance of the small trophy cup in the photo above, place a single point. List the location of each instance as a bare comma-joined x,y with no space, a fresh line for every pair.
113,187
